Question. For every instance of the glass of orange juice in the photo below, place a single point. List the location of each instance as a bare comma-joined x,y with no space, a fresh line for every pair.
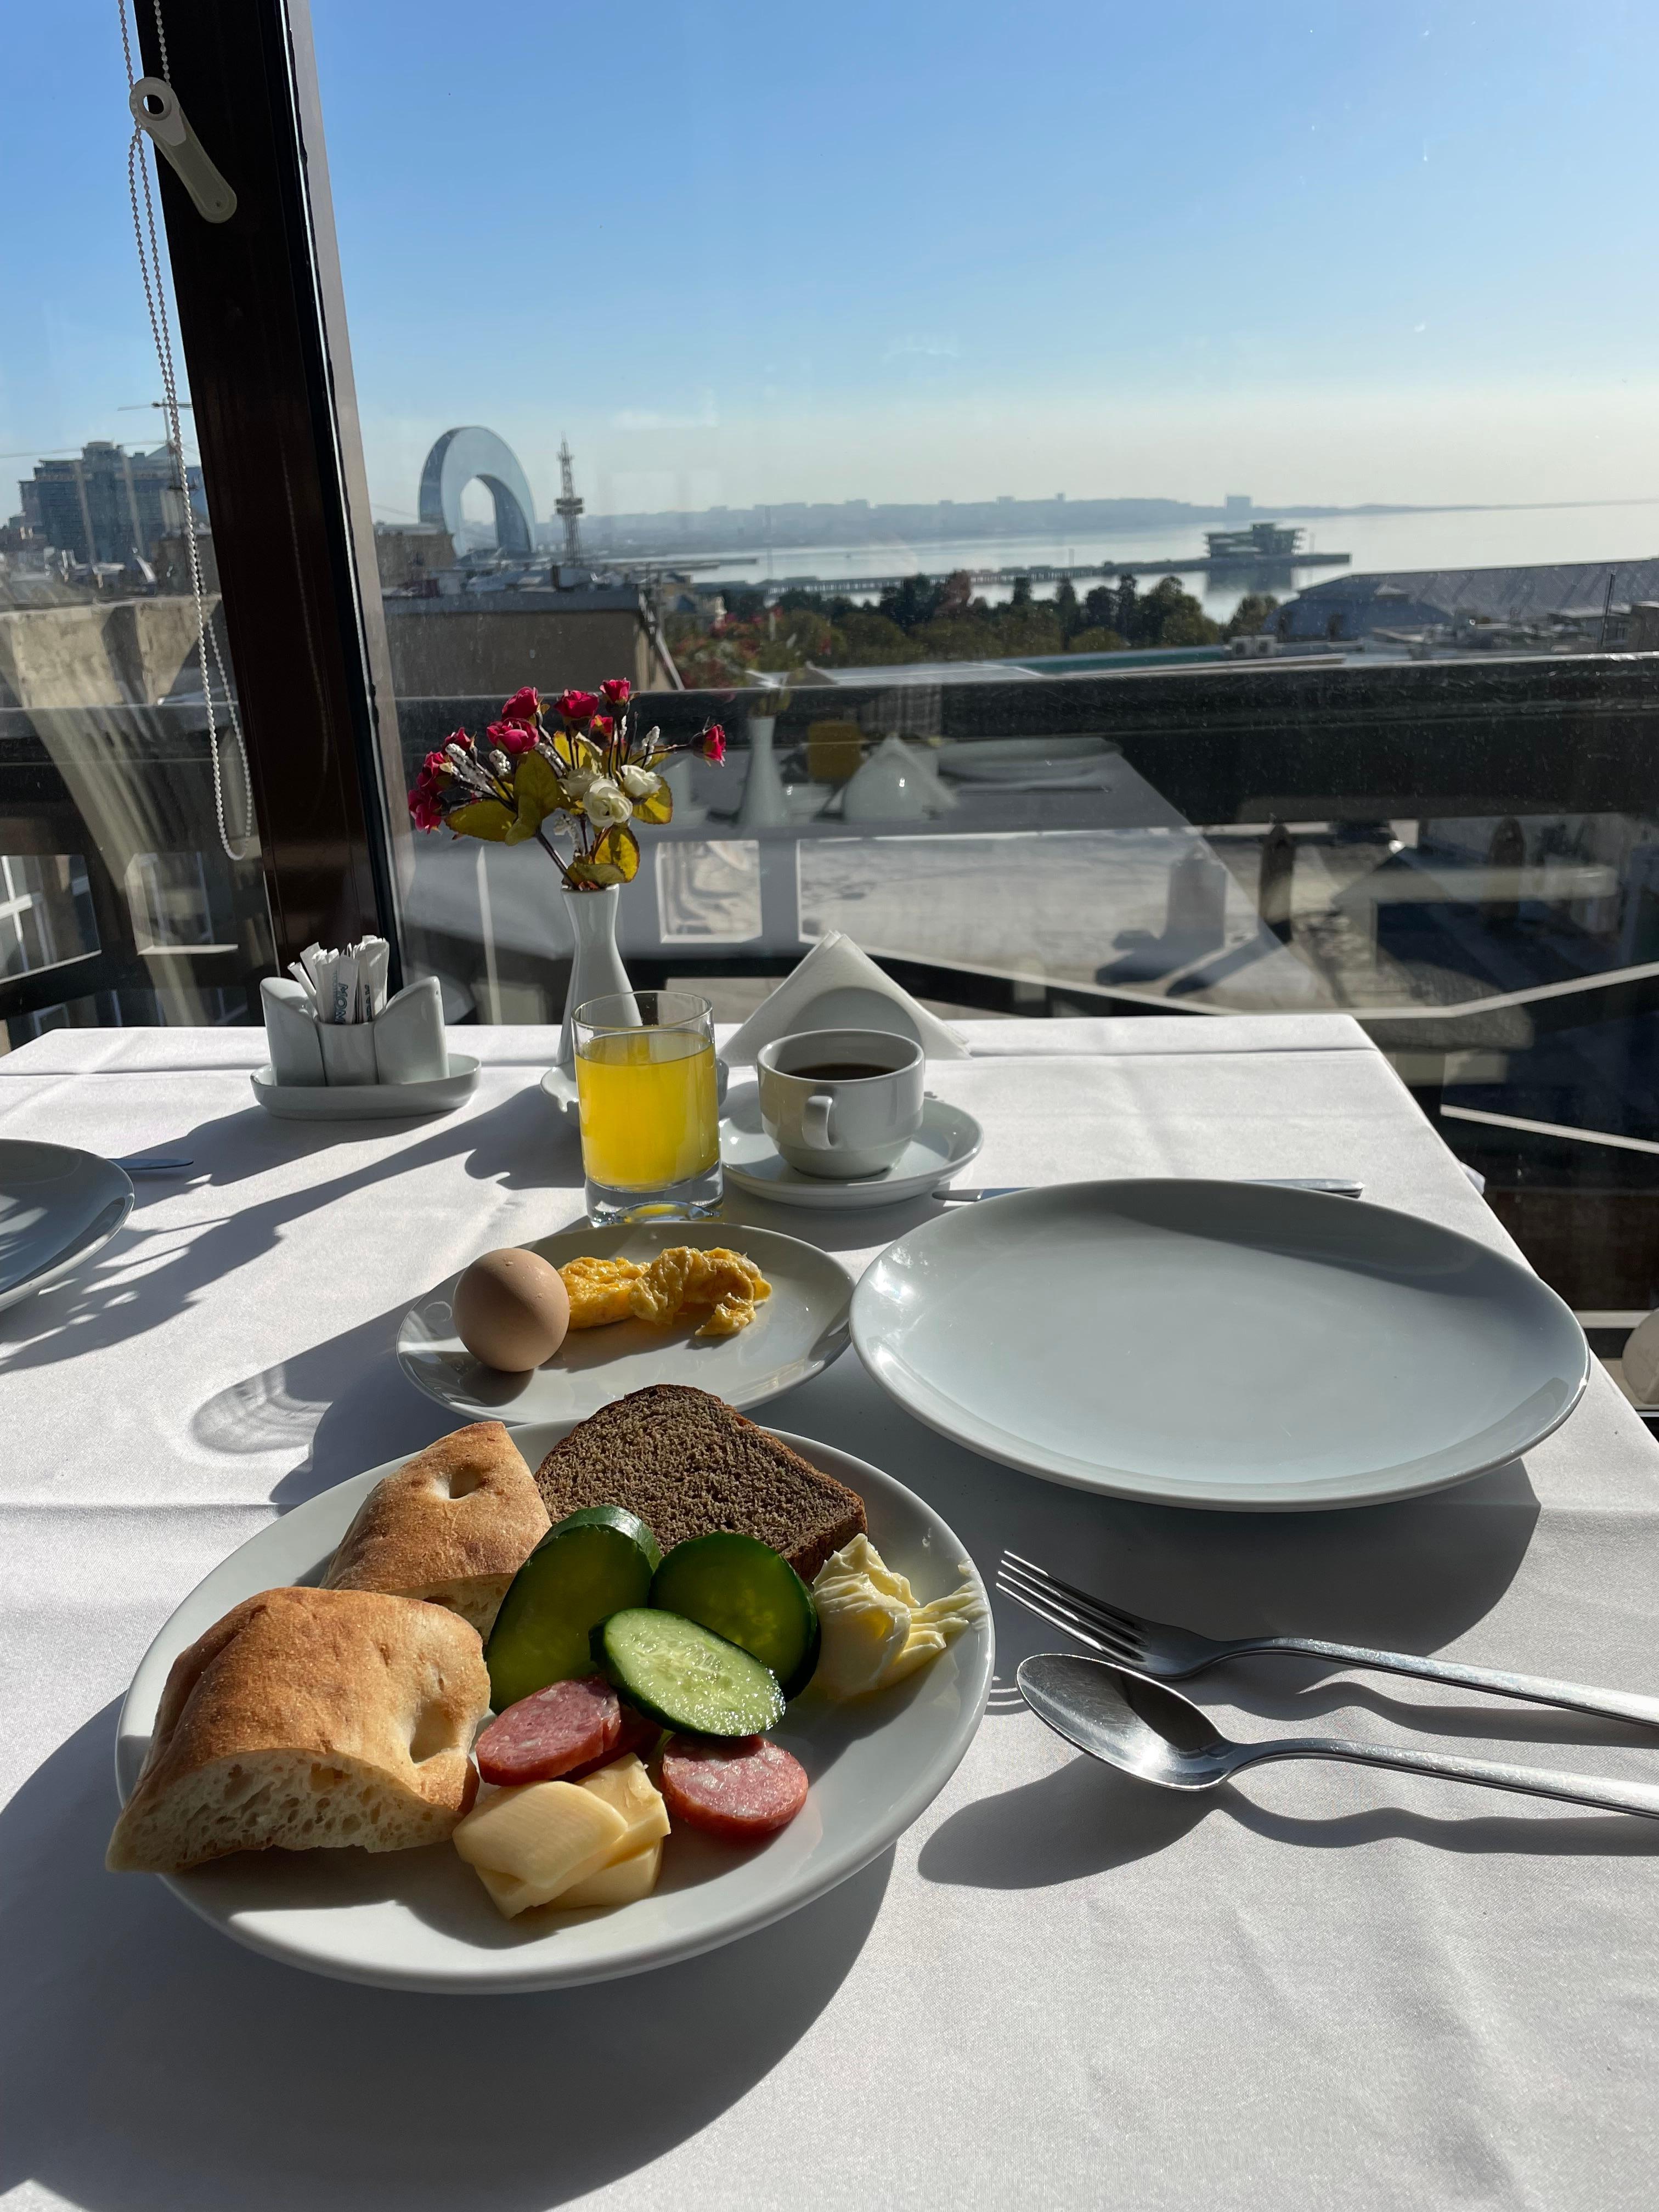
650,1108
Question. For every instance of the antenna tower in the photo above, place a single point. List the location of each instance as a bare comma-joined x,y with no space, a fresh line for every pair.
568,506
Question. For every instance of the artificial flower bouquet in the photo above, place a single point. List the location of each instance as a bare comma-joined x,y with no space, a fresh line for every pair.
574,768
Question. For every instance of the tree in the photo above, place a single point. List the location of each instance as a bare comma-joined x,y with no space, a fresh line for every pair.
914,602
1249,617
1065,607
1022,592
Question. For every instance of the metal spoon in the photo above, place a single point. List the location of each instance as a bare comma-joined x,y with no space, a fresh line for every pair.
1152,1731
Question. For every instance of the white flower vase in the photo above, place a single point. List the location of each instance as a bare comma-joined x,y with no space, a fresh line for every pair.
764,805
596,971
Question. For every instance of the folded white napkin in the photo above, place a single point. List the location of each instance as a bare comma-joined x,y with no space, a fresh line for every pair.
837,986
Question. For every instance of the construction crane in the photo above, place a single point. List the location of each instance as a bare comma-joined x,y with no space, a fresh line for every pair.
568,506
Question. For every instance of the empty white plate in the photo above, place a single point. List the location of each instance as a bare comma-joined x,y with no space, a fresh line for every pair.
58,1206
420,1920
1013,760
947,1141
800,1328
1218,1344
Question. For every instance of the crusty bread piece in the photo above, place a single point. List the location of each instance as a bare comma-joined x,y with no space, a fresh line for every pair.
305,1719
452,1526
687,1464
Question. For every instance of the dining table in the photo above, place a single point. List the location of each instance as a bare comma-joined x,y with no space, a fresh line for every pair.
1322,1985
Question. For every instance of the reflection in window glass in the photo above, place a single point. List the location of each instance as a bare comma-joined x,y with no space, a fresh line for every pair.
1153,501
45,911
104,750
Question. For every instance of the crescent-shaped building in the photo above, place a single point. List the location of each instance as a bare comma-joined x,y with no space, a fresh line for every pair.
458,457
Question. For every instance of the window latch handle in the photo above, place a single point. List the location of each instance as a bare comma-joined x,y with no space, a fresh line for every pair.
155,110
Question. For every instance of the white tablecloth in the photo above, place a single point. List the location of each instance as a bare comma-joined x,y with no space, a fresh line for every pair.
1328,1987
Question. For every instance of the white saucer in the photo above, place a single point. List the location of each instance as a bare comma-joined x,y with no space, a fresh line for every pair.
946,1141
366,1101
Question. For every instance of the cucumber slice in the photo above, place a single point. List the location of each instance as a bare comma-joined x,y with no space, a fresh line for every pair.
685,1676
747,1593
595,1562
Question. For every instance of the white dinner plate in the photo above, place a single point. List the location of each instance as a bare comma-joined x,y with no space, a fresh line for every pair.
1013,760
58,1206
420,1919
1220,1344
947,1141
366,1101
796,1332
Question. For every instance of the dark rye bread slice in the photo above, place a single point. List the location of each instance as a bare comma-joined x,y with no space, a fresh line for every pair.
688,1465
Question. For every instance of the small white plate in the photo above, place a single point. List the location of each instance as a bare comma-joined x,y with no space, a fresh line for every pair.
420,1920
1230,1345
58,1206
948,1140
1011,760
366,1101
798,1330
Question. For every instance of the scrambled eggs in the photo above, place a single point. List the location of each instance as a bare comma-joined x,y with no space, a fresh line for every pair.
678,1280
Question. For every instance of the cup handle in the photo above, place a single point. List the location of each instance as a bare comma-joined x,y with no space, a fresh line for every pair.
815,1121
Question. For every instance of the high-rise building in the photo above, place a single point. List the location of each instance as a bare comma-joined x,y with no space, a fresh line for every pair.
108,504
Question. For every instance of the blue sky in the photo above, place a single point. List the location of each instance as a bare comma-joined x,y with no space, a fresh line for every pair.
1355,252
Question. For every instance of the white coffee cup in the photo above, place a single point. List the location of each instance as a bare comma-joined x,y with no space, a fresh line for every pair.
840,1103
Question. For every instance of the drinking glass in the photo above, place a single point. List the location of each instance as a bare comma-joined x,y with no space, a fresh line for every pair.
650,1110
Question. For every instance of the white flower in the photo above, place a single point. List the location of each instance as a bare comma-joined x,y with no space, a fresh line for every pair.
605,804
639,782
576,783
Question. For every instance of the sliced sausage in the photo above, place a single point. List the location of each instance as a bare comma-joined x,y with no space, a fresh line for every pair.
638,1734
737,1787
546,1735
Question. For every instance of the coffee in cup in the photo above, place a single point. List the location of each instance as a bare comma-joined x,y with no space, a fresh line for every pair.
840,1103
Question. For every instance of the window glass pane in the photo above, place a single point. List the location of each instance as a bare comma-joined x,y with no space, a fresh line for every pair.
119,903
1162,505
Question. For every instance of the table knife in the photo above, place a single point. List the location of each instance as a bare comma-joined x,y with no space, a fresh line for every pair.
1333,1186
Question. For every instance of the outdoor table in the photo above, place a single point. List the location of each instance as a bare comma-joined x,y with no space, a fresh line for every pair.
1327,1986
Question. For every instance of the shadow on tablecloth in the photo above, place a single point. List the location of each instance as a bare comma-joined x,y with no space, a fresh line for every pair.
149,2063
150,1272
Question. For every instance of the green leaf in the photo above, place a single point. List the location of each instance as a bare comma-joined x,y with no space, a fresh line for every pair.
485,818
536,789
659,807
618,850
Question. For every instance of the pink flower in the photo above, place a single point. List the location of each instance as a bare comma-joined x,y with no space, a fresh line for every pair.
512,738
577,707
711,743
617,690
424,810
602,726
459,738
523,707
434,763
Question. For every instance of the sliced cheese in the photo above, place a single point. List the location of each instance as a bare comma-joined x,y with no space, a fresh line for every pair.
624,1881
626,1787
538,1841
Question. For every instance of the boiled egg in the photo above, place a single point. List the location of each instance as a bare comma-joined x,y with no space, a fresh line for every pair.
511,1310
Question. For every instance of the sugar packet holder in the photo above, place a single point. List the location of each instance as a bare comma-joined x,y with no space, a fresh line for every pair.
404,1043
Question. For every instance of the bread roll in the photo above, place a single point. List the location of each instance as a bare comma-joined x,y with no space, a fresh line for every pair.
452,1526
304,1720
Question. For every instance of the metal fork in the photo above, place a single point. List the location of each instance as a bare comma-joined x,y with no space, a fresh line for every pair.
1172,1655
